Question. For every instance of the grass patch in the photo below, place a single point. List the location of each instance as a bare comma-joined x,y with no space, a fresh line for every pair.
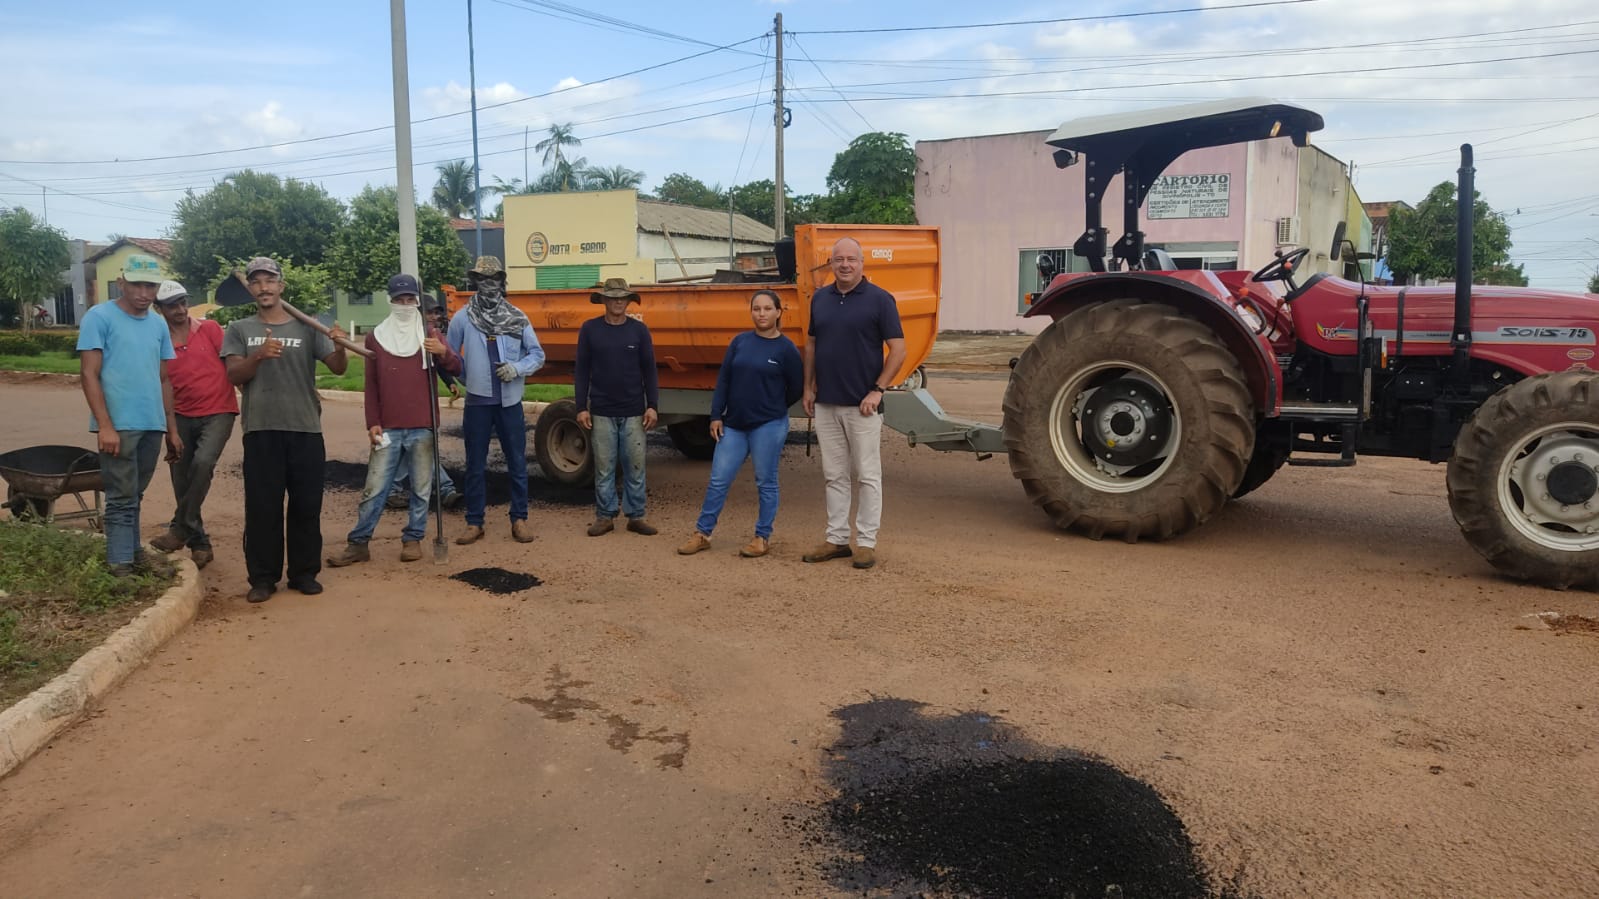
58,601
354,378
51,361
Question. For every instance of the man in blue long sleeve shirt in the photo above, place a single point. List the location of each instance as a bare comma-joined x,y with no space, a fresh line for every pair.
617,396
499,350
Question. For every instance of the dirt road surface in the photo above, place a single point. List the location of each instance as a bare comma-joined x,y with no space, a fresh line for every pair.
1324,692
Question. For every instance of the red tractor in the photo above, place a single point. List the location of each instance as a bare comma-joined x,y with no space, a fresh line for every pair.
1157,395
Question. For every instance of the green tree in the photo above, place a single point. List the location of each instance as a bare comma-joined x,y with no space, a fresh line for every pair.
252,214
455,193
1593,283
756,200
616,177
873,181
1421,241
308,288
32,257
690,191
1503,275
554,146
366,252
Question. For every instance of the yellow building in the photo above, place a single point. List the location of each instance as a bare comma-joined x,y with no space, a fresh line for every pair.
580,238
108,263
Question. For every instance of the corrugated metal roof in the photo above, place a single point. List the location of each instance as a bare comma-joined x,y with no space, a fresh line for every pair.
655,217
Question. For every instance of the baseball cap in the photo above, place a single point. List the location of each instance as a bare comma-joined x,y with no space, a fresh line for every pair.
403,284
142,269
263,264
170,292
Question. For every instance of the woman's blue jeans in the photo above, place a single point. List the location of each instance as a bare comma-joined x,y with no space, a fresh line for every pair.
763,446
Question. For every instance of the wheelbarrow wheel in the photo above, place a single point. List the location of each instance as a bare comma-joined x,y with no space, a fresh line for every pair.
24,508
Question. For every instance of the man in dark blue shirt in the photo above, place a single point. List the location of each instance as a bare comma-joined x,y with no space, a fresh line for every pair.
616,395
845,376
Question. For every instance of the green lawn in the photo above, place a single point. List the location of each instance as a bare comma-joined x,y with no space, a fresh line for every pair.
352,379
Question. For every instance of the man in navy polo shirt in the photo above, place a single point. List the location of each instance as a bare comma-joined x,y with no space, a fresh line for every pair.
845,376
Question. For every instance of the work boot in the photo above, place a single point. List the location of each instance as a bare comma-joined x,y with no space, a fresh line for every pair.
170,542
158,565
398,499
601,527
201,555
827,551
865,557
521,531
120,571
410,550
640,526
756,548
261,593
453,501
695,544
353,553
473,533
310,586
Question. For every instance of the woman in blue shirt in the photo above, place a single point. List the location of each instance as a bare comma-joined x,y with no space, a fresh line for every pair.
761,377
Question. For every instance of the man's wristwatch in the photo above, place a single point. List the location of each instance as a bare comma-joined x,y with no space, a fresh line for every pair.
875,389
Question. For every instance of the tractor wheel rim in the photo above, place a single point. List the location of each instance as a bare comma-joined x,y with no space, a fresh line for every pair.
569,446
1067,421
1545,488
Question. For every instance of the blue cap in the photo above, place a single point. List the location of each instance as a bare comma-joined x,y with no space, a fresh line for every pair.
400,285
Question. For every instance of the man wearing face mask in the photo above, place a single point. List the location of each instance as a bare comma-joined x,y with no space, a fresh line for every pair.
399,385
499,350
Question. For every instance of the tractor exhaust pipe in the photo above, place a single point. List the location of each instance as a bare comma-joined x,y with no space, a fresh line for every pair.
1465,216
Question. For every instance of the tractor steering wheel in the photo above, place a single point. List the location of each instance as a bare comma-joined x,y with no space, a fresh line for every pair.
1282,268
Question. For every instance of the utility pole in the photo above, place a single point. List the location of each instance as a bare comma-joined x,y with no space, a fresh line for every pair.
780,115
524,157
405,191
731,256
44,197
477,175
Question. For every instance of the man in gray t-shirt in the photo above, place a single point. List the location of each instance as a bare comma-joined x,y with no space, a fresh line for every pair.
272,359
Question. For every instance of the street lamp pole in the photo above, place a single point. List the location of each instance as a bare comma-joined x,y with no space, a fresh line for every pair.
477,174
405,191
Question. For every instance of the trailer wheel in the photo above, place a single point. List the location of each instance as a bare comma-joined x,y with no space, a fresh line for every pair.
1128,419
916,381
562,446
1524,480
692,437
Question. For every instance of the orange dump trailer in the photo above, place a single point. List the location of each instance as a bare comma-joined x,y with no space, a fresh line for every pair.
692,324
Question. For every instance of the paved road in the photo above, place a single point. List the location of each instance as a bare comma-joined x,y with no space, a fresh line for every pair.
1327,688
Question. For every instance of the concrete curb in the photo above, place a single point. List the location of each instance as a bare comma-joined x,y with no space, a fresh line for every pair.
33,722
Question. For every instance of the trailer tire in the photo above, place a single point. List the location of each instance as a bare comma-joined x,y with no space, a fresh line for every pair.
692,437
562,446
1086,421
1543,433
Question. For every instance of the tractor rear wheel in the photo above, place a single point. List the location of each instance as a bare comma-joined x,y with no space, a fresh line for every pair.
1524,480
1128,419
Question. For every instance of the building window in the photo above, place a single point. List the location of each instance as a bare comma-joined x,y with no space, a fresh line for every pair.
113,291
1208,255
1028,279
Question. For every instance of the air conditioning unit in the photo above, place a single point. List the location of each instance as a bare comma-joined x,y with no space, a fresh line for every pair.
1288,230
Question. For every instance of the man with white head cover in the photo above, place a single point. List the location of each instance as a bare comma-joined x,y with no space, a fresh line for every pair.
399,385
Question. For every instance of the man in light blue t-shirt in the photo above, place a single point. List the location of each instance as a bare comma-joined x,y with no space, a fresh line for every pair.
123,350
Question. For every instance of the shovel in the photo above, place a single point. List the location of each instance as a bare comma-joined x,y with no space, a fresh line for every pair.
233,292
441,550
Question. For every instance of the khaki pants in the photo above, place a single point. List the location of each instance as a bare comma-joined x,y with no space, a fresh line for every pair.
851,446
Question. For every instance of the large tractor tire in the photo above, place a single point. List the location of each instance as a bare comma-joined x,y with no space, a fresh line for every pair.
1128,419
692,437
1524,480
562,446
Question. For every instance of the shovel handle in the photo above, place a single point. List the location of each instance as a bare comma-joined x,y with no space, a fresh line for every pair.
350,345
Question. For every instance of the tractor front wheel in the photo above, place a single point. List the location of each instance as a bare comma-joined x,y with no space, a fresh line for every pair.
1524,480
1128,419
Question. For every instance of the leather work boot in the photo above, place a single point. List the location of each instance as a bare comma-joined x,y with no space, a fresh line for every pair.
521,531
695,544
169,542
471,535
410,550
756,548
202,556
865,557
827,551
601,527
353,553
261,593
640,526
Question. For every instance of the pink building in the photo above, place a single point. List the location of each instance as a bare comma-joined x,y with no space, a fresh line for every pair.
1001,203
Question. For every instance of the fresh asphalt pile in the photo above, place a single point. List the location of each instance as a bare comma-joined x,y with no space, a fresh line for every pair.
497,580
965,805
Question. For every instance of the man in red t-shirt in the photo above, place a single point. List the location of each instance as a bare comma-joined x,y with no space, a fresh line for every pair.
206,406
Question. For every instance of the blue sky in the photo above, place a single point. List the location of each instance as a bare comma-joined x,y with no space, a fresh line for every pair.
1400,85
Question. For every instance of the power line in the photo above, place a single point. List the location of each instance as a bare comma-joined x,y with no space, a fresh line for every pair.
1107,17
760,82
590,17
807,55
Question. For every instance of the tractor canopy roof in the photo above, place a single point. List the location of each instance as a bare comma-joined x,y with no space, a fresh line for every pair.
1188,127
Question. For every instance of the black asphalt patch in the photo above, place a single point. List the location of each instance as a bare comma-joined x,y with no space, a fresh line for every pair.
966,805
497,580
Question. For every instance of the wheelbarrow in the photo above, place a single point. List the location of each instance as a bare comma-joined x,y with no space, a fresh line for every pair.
37,476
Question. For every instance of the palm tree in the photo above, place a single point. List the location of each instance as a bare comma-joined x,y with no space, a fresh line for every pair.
554,146
456,190
503,187
616,177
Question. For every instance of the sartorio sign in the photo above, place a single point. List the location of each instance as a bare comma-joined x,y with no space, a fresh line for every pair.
1189,197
